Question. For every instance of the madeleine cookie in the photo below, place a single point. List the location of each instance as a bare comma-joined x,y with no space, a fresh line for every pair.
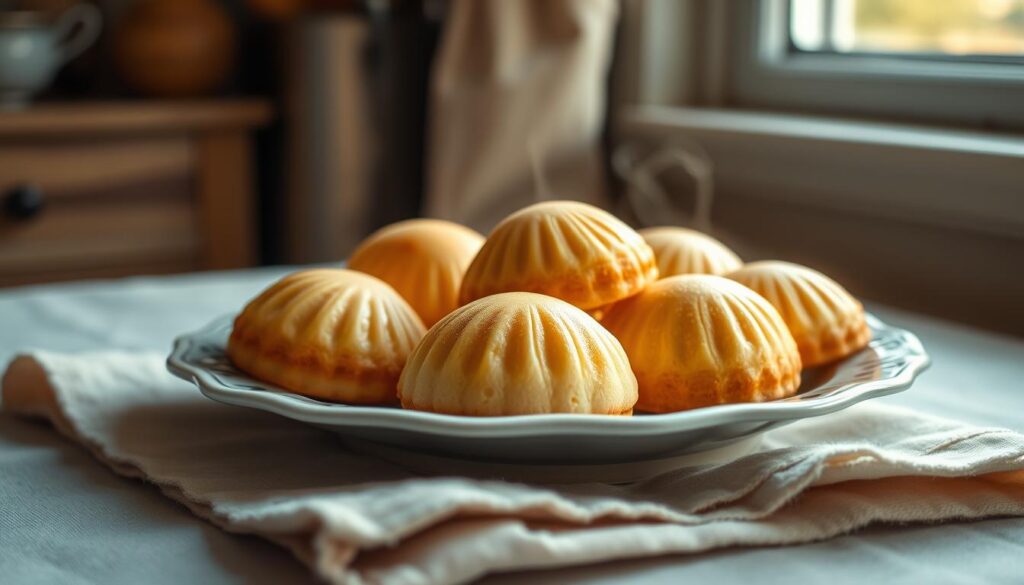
683,251
422,259
826,321
518,353
337,335
565,249
701,340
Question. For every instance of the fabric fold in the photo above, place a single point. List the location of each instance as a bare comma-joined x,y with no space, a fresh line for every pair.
353,518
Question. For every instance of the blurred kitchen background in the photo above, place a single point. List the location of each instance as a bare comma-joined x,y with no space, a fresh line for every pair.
881,141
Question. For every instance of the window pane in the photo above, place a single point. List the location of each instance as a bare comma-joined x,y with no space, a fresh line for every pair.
928,27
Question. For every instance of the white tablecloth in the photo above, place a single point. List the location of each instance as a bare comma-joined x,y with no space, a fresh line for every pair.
91,526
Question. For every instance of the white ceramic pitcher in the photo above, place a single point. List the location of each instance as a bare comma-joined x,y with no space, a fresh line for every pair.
33,49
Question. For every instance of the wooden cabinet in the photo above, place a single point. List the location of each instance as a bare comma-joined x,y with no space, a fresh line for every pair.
139,188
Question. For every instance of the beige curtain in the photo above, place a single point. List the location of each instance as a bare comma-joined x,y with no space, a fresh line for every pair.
518,92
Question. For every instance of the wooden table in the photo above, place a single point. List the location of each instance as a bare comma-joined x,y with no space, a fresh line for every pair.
122,188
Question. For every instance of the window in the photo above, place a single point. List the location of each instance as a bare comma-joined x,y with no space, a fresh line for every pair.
952,30
807,102
957,62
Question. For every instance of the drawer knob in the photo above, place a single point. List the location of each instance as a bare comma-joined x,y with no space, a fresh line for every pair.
23,202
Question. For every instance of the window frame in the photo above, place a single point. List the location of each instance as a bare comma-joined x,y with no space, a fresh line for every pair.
764,72
676,77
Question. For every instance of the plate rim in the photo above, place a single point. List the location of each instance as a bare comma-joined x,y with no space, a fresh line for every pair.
284,403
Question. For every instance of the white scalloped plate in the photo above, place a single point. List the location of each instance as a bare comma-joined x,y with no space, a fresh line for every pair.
888,365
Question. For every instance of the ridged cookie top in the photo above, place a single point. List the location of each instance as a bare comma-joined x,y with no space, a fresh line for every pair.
518,353
326,317
697,340
826,321
423,259
683,251
565,249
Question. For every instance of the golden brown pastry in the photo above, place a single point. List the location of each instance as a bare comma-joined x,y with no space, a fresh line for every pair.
699,340
333,334
826,321
683,251
565,249
518,353
423,259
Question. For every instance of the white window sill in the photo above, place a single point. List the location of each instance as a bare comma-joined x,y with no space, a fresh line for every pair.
958,178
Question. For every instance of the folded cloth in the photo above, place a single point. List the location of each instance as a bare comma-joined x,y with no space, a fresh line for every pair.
356,519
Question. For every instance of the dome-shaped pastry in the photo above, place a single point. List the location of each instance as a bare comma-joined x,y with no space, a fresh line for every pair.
699,340
336,334
518,353
423,259
682,251
565,249
826,321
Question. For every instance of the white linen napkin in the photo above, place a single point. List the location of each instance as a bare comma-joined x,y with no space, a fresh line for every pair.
355,519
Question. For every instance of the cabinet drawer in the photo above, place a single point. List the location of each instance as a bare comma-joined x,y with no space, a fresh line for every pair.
111,207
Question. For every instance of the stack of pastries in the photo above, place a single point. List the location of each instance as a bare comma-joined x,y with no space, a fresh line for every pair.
561,309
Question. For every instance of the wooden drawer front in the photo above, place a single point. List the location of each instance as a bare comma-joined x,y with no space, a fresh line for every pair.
113,207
